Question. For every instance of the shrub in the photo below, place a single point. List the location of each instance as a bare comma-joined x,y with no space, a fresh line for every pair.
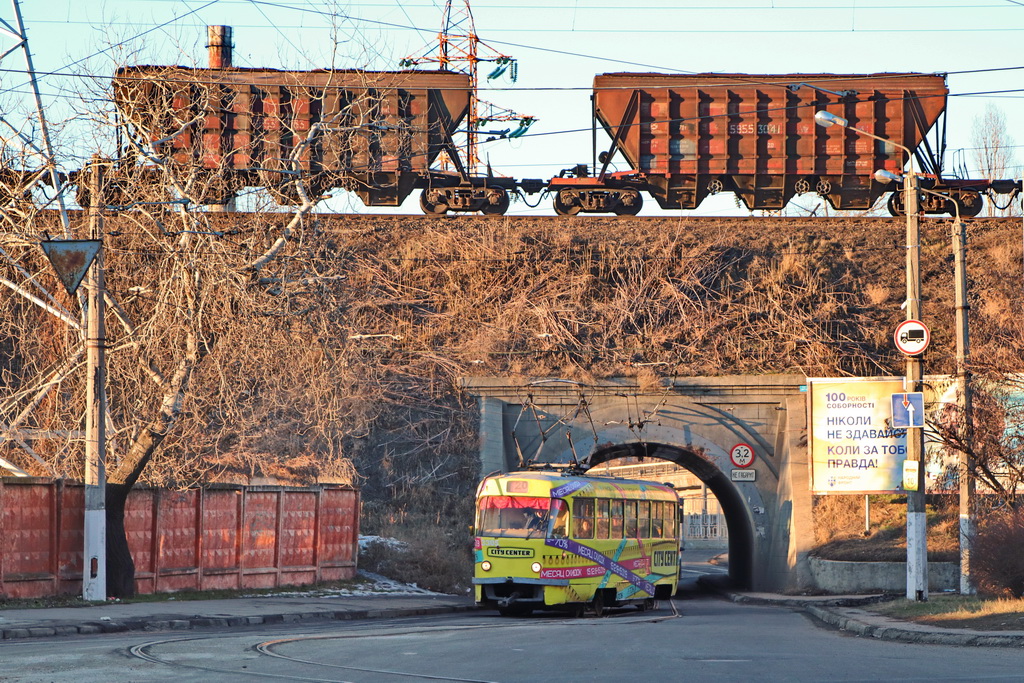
997,562
427,556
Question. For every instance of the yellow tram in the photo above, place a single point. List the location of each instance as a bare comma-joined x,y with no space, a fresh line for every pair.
551,539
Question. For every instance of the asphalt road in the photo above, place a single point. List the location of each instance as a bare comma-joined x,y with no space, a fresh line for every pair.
689,639
693,638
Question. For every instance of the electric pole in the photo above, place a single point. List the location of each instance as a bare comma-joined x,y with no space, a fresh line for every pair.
94,559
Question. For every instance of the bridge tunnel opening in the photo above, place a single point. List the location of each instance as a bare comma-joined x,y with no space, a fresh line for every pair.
734,507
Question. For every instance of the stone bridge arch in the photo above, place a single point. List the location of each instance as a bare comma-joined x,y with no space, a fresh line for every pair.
693,422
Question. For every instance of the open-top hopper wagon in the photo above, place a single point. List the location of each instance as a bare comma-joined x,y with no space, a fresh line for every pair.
689,136
375,133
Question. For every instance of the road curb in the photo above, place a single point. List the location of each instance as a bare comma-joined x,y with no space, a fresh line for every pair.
803,603
831,611
199,621
931,636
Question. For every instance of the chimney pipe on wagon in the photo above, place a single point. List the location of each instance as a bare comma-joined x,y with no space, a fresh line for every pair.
219,46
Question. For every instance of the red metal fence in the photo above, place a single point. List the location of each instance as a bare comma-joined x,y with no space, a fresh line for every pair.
198,539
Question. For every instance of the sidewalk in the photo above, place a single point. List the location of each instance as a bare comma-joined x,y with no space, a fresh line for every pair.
171,615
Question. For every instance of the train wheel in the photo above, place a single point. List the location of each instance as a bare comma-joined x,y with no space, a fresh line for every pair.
430,208
970,203
498,209
563,209
895,204
630,209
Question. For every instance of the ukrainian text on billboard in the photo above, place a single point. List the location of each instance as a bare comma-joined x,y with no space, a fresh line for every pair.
853,447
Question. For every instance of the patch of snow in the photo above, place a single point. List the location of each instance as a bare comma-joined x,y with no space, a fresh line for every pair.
366,541
367,584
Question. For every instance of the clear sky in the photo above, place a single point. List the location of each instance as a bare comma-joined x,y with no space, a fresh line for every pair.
559,46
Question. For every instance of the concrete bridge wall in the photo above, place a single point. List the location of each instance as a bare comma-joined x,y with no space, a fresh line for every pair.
693,422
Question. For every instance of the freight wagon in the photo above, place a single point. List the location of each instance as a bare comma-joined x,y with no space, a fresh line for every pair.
382,134
686,137
376,133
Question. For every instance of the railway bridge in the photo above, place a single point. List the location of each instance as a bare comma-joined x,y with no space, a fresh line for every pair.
695,422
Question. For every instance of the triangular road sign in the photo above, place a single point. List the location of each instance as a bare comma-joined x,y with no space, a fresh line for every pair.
71,259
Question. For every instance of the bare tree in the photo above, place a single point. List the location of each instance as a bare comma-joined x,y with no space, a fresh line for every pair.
993,155
179,283
993,442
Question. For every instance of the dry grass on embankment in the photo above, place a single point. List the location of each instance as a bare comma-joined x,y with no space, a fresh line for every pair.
957,611
839,532
839,529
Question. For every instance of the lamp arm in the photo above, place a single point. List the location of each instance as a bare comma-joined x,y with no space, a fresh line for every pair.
956,204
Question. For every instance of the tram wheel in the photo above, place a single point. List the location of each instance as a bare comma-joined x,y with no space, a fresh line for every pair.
598,604
647,604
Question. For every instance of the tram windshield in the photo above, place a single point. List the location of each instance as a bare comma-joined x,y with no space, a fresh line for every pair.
519,516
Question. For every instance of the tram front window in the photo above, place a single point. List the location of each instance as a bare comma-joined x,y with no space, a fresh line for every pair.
514,516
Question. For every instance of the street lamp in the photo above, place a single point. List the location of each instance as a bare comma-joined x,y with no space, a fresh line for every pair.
917,522
963,388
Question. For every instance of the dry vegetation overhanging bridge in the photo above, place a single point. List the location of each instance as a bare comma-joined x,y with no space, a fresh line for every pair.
355,346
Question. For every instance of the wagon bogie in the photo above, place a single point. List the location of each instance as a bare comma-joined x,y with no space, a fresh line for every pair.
964,201
570,201
444,192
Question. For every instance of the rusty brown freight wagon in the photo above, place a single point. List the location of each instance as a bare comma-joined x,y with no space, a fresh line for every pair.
689,136
375,133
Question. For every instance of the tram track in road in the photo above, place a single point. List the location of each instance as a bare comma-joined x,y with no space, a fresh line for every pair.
151,651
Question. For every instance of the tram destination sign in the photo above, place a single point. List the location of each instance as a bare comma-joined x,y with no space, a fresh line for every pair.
854,447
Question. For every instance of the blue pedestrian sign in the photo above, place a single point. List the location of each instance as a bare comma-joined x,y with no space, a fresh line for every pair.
908,410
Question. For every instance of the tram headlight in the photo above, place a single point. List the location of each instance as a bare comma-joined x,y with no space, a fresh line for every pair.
485,565
535,567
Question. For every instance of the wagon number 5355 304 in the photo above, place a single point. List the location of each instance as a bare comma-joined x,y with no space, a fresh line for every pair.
749,128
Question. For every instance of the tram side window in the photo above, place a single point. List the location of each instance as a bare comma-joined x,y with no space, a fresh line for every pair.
583,518
560,525
643,519
616,518
657,523
629,507
603,518
671,528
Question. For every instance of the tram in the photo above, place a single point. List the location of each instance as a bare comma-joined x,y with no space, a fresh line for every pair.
563,540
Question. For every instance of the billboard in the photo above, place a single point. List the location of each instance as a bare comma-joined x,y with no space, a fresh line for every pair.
853,446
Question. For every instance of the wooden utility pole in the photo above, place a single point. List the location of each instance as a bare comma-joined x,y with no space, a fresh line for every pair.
94,559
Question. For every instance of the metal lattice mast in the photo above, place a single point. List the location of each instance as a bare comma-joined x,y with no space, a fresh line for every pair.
459,48
457,51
